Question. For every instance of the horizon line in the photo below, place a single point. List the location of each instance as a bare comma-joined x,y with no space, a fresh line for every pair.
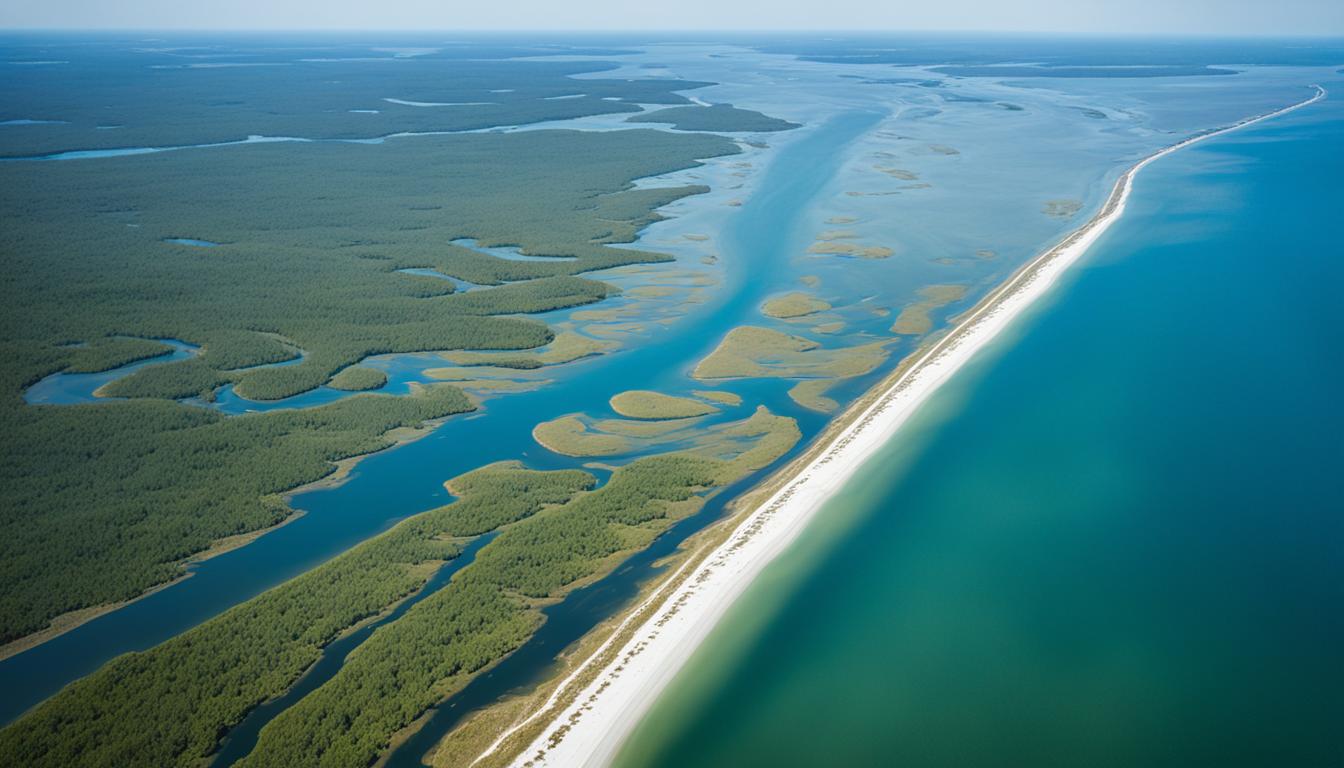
807,32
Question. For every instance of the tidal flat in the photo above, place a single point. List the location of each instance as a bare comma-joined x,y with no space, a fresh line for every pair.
1081,558
624,281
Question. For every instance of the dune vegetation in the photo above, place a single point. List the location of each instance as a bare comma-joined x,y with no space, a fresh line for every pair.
156,98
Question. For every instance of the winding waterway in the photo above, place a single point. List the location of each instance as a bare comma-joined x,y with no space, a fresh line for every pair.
809,177
388,487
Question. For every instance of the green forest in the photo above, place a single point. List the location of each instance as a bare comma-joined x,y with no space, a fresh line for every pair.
169,705
173,704
716,117
157,98
104,501
301,257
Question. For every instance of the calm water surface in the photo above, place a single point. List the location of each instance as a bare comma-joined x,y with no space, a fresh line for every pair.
389,486
1117,539
812,175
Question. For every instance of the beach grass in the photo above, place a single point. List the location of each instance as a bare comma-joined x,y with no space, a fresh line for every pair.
794,304
644,404
915,320
756,352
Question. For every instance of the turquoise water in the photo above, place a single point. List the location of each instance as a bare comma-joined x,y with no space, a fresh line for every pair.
1116,539
789,191
66,388
389,486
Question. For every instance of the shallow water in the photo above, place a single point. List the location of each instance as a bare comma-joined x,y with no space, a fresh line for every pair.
460,286
1115,539
786,192
243,738
70,388
389,486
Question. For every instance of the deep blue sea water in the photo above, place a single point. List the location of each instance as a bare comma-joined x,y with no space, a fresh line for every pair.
1117,538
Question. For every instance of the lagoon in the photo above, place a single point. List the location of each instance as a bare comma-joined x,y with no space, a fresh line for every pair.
761,217
389,486
1115,539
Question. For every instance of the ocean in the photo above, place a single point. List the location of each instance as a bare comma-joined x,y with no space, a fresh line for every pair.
1116,538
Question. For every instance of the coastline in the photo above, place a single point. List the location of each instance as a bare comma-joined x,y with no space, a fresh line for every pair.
591,712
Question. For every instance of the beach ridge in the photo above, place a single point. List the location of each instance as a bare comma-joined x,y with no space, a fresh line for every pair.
594,723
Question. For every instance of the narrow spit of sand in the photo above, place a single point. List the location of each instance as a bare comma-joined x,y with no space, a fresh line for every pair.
590,728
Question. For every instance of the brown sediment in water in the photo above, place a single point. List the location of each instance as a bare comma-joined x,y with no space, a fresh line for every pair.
793,305
898,173
1061,209
526,731
754,352
914,320
839,248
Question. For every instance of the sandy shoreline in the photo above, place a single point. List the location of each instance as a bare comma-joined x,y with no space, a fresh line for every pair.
676,617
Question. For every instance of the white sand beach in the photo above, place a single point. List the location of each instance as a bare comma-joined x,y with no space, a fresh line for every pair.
590,728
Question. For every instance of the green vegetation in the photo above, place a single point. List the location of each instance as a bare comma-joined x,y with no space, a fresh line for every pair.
749,444
104,501
582,435
157,100
358,378
303,266
569,436
718,117
811,393
566,347
837,243
752,352
106,354
795,304
643,404
716,396
487,611
316,268
648,432
171,704
914,320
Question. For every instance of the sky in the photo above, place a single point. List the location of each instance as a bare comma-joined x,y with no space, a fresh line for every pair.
1203,17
